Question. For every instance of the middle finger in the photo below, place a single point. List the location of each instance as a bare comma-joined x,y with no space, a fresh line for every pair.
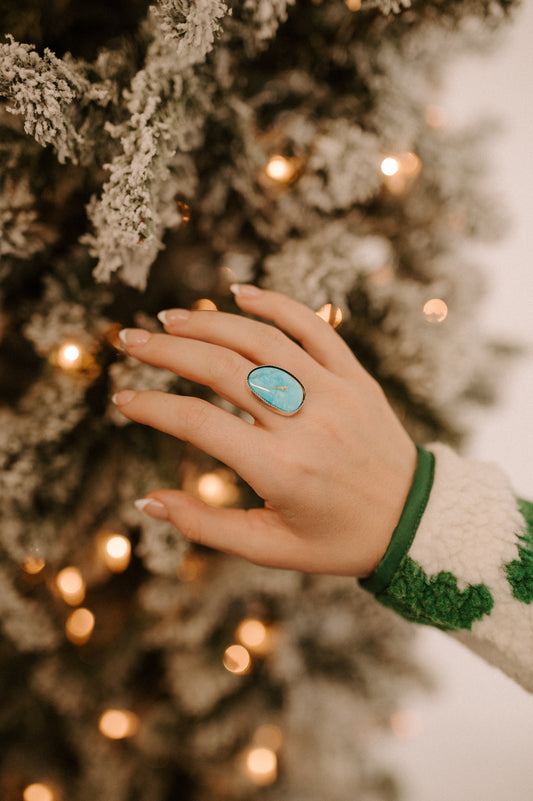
202,362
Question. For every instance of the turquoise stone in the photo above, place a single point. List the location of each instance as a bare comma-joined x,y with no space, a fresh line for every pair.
277,388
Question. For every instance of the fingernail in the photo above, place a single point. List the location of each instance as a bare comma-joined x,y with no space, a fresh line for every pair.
125,396
134,336
173,316
245,290
152,508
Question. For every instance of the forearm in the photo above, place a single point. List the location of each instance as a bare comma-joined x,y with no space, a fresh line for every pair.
461,559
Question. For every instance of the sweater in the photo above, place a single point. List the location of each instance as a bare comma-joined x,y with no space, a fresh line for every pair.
461,559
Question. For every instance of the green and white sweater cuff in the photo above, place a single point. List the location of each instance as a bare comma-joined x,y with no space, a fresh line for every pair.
461,559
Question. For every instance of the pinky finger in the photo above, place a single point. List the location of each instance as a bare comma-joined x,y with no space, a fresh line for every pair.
249,533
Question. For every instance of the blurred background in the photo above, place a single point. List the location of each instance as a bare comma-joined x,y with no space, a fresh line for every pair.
472,738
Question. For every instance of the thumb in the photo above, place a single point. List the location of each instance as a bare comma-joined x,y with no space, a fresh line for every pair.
257,535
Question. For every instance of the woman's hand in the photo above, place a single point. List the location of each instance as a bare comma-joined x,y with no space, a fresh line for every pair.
334,477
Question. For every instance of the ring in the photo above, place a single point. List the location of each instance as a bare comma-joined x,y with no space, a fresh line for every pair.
279,389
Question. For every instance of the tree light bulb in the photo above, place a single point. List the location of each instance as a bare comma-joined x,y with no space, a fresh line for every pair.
204,304
262,766
236,659
281,169
79,626
33,565
354,5
406,724
38,792
117,724
117,553
71,585
218,488
390,166
69,356
435,310
331,314
255,636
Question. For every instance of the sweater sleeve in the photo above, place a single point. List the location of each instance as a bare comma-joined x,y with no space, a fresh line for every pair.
461,559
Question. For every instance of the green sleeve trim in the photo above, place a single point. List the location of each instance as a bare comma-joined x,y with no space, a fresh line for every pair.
405,531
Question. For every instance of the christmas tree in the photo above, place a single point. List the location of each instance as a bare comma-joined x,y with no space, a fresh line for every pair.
151,155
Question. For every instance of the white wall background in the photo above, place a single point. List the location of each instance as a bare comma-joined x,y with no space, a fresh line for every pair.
476,733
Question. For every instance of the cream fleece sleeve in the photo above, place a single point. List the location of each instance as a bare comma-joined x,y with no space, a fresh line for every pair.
461,559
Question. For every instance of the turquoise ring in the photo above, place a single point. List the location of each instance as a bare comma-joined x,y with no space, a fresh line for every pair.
277,388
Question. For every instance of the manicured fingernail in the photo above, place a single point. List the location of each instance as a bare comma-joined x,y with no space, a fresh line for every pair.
134,336
152,508
173,316
245,290
125,396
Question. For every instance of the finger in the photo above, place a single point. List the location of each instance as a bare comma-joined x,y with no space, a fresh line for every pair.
258,342
257,535
218,433
316,336
212,365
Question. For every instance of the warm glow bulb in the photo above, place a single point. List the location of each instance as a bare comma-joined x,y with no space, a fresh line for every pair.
117,553
406,724
33,565
281,170
435,310
217,488
71,585
79,626
37,792
331,314
118,724
435,116
254,635
69,356
236,659
262,765
353,5
204,304
390,166
269,736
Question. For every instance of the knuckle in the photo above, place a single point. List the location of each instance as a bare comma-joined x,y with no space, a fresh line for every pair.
196,417
223,365
277,338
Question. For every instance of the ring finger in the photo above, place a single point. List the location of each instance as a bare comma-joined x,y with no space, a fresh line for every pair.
211,365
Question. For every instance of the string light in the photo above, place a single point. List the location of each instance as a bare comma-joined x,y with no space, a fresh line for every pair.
435,116
435,310
117,552
237,659
38,792
191,567
400,170
33,565
406,724
204,304
331,314
390,166
354,5
184,211
70,356
79,626
117,724
262,766
218,488
268,736
254,636
281,170
71,585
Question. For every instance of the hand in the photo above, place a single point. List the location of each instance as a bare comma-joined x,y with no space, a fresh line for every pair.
334,477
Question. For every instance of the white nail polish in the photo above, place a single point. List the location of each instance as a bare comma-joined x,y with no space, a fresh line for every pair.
152,508
122,336
162,315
